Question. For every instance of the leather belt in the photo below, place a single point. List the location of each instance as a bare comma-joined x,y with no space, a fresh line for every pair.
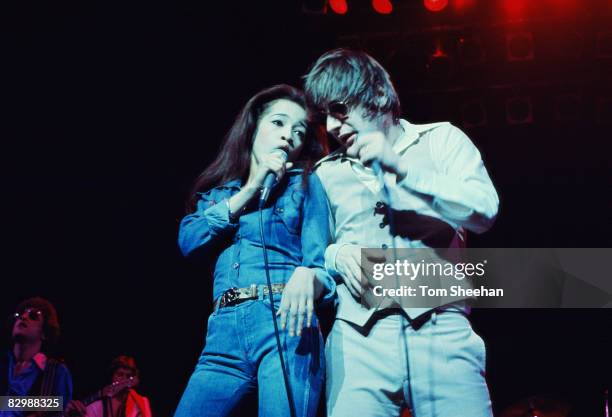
237,295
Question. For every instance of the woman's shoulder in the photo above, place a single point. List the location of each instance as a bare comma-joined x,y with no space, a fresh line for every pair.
226,188
303,182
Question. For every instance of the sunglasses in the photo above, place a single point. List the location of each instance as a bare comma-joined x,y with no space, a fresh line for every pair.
30,313
336,109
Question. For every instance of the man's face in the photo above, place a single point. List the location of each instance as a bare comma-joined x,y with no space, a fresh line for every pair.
122,374
346,128
28,325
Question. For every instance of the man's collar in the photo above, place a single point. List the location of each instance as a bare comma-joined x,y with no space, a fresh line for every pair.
40,360
411,134
334,155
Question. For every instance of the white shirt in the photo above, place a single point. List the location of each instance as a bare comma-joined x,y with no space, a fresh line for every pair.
446,180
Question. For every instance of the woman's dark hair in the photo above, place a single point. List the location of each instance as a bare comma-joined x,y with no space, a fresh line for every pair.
51,327
234,159
355,78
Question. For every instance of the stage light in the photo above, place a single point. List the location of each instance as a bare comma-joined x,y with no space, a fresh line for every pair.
470,50
515,8
338,6
460,6
382,6
474,113
435,5
520,46
440,65
565,6
519,110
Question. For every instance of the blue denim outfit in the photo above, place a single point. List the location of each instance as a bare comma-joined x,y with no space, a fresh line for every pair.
240,355
25,382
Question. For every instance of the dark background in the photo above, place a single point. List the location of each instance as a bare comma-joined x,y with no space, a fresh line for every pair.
112,108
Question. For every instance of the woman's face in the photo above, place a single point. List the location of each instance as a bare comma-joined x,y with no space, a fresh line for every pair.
281,126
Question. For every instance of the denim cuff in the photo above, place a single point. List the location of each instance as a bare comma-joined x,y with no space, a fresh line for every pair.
218,220
329,293
330,259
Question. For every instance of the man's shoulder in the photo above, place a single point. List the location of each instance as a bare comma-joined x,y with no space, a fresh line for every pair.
421,129
440,135
57,362
330,160
59,372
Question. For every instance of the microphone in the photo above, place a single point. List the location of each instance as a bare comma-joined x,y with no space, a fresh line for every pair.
270,179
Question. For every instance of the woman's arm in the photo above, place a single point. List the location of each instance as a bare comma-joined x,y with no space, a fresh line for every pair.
239,201
214,219
316,235
309,282
202,228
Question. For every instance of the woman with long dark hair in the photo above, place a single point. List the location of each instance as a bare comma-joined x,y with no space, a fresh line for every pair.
241,354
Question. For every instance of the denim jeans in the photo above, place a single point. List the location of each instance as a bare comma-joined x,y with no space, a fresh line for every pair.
241,357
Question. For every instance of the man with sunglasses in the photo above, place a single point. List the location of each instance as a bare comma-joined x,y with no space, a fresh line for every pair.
380,360
25,369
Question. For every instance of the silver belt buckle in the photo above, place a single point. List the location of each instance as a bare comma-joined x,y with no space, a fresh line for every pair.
229,296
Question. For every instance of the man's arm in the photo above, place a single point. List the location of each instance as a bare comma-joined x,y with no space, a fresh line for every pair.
460,185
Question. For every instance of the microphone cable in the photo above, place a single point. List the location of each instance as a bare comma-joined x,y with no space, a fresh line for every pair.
392,229
272,309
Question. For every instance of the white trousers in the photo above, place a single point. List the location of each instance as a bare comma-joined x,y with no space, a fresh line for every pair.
367,372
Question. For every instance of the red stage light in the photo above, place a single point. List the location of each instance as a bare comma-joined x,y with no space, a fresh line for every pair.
338,6
515,8
463,5
435,5
382,6
565,5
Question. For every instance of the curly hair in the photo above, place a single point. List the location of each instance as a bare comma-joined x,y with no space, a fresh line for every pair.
51,326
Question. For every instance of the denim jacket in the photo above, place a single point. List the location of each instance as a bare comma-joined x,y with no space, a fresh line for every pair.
296,230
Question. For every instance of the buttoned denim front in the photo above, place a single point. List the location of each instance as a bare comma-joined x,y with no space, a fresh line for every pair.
295,227
240,354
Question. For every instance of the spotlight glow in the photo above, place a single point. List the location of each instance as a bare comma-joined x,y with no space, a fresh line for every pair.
515,8
435,5
338,6
460,6
382,6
